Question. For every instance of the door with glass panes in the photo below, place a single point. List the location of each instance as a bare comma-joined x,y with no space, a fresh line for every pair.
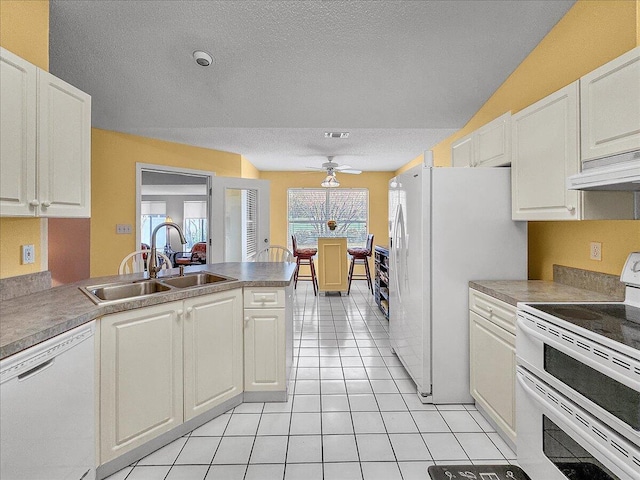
240,214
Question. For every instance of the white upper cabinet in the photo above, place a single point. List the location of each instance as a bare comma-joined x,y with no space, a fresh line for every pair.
45,143
64,148
610,107
462,152
493,143
489,146
18,83
545,151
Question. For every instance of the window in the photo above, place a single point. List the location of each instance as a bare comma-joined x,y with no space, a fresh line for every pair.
153,214
309,209
195,222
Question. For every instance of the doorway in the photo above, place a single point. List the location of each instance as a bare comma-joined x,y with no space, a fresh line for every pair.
228,215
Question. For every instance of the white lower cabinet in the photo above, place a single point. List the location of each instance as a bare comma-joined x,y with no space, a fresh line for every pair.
141,371
213,350
493,360
265,340
163,365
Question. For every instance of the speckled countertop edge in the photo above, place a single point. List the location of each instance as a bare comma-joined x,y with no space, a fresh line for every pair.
28,320
514,291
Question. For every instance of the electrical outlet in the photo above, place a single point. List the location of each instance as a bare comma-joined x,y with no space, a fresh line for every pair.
123,228
28,254
596,251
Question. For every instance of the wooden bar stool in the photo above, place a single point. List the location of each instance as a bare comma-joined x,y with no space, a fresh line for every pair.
361,255
304,256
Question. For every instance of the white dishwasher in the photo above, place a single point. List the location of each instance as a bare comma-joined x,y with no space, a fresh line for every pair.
47,422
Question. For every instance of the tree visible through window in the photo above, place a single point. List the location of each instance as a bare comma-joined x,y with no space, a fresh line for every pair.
309,209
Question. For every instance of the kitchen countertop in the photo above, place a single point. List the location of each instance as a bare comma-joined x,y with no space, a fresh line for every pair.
31,319
514,291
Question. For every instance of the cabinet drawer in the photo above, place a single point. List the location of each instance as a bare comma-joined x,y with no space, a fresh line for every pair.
497,311
264,297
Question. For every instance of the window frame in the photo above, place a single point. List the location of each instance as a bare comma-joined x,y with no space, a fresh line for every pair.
327,211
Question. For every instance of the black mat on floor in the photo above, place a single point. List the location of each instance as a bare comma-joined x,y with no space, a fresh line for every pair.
476,472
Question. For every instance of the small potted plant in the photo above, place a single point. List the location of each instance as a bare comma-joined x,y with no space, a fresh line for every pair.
332,224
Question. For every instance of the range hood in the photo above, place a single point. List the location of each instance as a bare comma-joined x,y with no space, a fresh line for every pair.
620,172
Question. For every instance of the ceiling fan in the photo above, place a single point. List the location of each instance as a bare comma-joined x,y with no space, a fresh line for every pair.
331,168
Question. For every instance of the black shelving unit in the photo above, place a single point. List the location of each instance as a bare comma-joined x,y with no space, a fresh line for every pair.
381,287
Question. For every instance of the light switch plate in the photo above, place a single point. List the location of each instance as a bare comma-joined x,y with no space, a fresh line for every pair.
28,254
123,228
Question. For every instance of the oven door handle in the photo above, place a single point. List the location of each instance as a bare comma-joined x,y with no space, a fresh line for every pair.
596,365
556,411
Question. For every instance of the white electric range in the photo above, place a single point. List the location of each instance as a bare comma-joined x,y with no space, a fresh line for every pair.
578,386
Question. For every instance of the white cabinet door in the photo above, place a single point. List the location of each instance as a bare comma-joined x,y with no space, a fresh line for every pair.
462,152
545,151
265,350
64,148
213,350
493,370
140,377
17,135
610,107
493,143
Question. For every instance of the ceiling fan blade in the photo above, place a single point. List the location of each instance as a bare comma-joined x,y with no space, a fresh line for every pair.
352,171
340,168
316,168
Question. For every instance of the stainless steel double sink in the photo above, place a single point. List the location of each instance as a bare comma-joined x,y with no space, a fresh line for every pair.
122,291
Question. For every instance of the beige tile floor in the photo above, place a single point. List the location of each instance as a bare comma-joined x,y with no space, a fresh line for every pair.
352,413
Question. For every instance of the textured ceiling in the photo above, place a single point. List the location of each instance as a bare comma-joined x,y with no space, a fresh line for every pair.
398,75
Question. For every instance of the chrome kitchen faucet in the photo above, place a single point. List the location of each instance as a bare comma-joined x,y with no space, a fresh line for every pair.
153,268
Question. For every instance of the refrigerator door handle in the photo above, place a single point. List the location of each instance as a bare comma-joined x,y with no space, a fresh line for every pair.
396,227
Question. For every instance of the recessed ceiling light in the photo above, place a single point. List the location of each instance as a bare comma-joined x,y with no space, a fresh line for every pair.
336,134
202,58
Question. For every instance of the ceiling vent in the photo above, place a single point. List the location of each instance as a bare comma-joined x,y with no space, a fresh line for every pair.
336,134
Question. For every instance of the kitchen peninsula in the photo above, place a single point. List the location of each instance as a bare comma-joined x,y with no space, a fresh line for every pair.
167,362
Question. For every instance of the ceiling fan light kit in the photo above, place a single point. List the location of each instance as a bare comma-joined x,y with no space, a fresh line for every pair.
330,181
331,167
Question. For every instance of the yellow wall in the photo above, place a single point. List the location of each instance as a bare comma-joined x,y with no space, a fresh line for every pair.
113,183
247,170
567,243
24,30
592,33
376,182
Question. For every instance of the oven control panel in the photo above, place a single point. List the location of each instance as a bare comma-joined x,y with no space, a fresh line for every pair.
631,271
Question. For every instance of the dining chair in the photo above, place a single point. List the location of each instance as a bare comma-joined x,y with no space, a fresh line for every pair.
197,255
361,255
274,253
138,261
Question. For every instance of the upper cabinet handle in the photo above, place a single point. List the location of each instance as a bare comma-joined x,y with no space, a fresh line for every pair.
571,208
46,204
34,203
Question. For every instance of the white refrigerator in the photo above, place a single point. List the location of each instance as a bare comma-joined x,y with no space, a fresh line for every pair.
447,226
